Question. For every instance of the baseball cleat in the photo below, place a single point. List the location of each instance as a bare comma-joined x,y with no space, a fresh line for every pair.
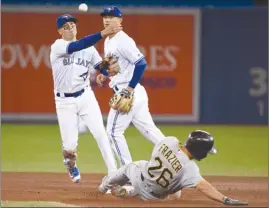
108,191
124,191
119,192
106,188
74,174
102,188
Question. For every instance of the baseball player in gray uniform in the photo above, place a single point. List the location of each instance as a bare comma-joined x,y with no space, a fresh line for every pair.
170,169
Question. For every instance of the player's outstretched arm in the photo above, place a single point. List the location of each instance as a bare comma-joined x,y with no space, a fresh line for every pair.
212,193
83,43
90,40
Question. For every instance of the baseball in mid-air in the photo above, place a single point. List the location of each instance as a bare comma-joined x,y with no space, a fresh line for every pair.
83,7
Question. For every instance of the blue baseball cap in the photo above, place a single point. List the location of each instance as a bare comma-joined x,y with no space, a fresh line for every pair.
61,20
112,11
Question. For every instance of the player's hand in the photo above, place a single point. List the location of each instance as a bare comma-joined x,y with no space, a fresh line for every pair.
100,78
113,28
229,201
110,65
113,68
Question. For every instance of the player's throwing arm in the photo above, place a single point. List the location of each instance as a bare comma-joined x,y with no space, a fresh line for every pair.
71,61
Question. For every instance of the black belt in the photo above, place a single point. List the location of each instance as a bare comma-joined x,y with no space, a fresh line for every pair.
115,89
75,94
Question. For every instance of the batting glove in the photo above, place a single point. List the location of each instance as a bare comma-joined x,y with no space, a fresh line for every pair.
229,201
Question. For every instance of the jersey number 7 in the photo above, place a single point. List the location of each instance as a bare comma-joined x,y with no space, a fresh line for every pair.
162,179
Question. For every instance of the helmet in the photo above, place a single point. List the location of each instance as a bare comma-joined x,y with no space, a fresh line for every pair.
61,20
111,11
199,144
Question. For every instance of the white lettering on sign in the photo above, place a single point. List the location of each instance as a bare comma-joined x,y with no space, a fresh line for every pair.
160,57
24,55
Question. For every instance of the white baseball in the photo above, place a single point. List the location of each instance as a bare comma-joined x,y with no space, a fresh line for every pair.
83,7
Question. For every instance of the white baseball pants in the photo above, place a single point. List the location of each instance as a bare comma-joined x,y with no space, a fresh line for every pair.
132,172
85,107
140,116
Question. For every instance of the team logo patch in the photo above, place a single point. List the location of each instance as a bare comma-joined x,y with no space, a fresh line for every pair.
66,16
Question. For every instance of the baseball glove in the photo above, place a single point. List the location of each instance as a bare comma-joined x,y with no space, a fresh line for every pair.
122,101
110,64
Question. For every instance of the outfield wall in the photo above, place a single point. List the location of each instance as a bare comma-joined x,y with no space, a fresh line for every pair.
234,70
204,66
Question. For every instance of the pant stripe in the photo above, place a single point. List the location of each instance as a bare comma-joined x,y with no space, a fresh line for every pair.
113,138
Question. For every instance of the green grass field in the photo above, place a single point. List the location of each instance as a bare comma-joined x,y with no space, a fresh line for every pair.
242,150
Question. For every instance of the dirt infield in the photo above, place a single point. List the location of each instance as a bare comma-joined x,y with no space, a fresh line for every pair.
58,187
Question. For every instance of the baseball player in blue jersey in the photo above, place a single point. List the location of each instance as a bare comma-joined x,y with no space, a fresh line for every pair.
170,169
130,100
71,61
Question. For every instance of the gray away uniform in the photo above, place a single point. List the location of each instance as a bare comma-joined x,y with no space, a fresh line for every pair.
168,171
